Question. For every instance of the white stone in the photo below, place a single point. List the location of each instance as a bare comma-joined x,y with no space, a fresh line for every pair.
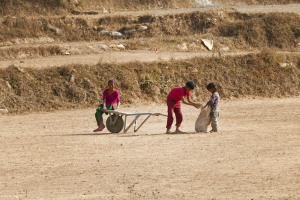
104,10
120,46
204,2
72,79
3,111
208,43
8,85
142,28
104,32
116,34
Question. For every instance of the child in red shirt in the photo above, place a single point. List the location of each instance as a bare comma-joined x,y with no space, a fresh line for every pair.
174,98
110,97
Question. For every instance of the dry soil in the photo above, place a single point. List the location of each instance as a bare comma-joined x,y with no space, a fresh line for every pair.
255,155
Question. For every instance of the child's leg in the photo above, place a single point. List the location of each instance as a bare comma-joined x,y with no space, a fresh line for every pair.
170,117
214,121
179,117
98,116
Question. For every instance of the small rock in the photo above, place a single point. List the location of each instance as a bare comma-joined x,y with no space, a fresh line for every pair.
116,34
194,70
3,111
104,32
142,28
208,43
72,79
120,46
19,69
105,11
8,85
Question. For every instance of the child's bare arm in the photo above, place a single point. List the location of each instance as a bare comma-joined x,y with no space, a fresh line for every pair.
189,102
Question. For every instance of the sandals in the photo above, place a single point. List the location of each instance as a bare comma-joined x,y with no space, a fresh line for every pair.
100,128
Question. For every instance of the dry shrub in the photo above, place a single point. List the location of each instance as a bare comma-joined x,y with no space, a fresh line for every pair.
29,52
79,86
255,2
36,7
135,4
253,30
281,30
21,7
263,30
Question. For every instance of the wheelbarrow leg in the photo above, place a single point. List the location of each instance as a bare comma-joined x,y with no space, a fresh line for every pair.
126,129
125,120
135,130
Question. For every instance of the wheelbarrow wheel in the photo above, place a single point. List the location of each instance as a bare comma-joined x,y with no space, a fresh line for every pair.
114,127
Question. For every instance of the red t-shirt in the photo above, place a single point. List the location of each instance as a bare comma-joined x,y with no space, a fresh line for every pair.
177,93
112,98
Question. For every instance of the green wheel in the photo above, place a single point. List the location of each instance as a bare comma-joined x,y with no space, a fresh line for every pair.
114,123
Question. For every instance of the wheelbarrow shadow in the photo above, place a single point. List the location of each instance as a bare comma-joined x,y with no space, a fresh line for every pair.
89,134
156,134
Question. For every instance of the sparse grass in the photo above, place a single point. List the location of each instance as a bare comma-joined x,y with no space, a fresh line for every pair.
246,30
29,52
37,7
80,86
255,2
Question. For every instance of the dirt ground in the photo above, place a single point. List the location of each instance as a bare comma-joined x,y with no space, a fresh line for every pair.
113,57
256,155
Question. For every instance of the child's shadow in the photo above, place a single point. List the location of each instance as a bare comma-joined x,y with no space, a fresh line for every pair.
182,133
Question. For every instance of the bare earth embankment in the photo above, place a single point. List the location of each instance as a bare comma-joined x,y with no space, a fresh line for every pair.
56,155
91,53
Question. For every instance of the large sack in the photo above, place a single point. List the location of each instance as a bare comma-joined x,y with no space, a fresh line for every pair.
203,120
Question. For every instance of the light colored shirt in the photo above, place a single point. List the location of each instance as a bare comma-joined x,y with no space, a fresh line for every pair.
112,98
214,101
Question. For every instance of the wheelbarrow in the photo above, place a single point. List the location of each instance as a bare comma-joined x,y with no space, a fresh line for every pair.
115,122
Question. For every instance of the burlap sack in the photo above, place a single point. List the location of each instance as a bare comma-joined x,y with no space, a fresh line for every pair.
203,120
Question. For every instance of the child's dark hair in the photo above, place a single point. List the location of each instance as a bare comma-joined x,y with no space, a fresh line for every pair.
190,84
211,86
110,81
